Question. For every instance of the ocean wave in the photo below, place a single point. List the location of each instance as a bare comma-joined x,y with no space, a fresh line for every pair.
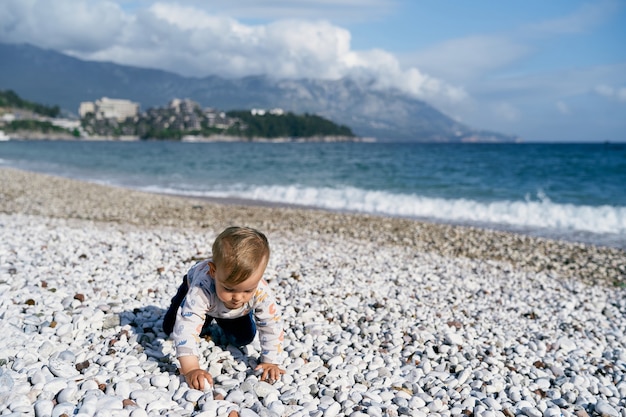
539,214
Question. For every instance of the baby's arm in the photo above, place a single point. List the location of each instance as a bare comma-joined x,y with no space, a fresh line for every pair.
194,375
270,327
189,322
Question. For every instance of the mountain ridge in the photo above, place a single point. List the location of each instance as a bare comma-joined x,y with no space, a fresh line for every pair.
53,78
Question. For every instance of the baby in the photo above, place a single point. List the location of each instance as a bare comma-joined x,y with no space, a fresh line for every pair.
229,288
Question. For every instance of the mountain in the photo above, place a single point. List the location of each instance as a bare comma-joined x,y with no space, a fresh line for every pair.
52,78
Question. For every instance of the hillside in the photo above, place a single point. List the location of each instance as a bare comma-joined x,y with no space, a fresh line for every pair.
10,100
50,77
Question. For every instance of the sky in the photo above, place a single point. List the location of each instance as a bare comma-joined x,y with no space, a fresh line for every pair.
543,70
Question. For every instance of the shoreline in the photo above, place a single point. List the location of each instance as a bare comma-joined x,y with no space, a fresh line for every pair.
217,138
50,196
586,240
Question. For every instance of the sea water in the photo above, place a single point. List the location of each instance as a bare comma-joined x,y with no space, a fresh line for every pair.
575,192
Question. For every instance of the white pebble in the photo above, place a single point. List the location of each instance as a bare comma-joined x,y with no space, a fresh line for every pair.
43,408
69,395
605,409
193,395
160,381
531,412
332,410
246,412
263,389
63,408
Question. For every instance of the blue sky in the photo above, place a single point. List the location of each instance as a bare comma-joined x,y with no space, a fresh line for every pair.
544,70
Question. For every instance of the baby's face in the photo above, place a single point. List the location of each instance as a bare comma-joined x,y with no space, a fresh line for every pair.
235,295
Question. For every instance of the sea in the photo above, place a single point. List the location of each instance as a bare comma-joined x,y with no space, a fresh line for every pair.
573,192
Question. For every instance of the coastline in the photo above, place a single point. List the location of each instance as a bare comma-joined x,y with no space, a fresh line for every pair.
41,136
49,196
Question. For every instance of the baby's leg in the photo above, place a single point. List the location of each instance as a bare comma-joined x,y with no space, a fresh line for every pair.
170,315
206,327
239,331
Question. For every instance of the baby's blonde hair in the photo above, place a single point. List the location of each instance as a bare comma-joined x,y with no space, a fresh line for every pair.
240,251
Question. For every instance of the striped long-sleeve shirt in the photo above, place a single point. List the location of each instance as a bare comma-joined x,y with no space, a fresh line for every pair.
201,300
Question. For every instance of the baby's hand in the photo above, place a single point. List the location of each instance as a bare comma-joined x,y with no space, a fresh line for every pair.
197,378
271,372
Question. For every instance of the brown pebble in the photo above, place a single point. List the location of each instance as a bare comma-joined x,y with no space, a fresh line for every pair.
79,297
44,284
455,323
82,365
30,302
581,413
128,403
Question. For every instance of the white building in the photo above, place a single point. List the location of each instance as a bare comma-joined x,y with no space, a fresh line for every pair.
8,117
277,111
261,112
66,123
184,105
85,108
109,108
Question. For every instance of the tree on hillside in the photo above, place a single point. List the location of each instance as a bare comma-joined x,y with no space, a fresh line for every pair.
9,98
285,125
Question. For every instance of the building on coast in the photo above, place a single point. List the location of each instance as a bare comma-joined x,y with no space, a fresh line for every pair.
109,108
262,112
187,114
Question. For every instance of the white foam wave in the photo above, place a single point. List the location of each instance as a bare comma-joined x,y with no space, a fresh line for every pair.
542,214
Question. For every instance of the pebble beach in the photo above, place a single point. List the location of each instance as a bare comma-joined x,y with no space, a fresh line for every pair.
383,316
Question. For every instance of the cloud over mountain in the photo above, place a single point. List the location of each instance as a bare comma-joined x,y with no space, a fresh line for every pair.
193,42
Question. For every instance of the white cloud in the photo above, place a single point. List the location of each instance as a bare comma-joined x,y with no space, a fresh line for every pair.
62,24
562,107
385,70
474,58
585,17
190,41
465,59
506,111
342,10
604,90
611,92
